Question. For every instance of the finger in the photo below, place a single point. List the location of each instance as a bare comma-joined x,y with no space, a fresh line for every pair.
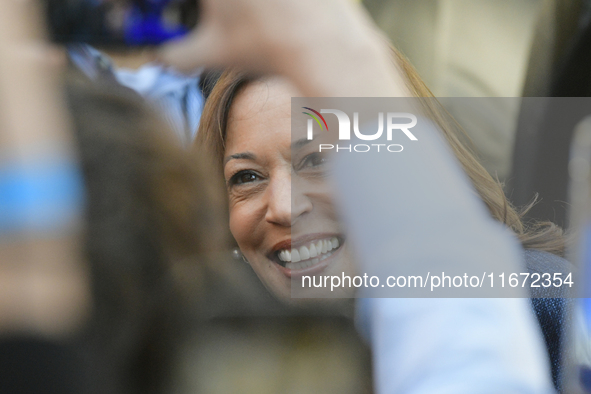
197,50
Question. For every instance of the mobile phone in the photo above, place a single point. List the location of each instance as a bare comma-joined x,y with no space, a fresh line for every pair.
119,23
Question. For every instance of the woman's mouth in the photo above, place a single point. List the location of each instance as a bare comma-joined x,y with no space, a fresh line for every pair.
308,255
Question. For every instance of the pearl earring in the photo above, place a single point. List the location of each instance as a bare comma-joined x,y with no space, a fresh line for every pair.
237,255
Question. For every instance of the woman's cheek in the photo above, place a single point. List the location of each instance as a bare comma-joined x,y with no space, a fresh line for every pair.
243,225
238,225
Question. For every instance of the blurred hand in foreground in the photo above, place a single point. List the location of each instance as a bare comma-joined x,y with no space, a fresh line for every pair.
43,283
327,48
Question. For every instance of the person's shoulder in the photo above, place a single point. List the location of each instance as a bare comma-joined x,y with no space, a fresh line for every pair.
543,266
538,261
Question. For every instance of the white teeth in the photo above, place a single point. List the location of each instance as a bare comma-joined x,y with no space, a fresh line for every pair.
334,242
308,255
293,266
304,253
285,255
307,263
313,252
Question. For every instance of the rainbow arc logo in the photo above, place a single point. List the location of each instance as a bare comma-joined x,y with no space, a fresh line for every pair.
315,117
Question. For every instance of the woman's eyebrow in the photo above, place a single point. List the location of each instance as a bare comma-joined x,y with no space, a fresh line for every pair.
243,155
302,142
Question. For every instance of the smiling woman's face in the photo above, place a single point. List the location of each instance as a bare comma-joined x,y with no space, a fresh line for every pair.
281,210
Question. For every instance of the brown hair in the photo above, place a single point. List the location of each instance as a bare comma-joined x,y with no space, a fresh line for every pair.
148,203
544,236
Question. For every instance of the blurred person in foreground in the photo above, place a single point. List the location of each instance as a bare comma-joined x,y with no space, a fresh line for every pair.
148,207
45,286
94,209
247,125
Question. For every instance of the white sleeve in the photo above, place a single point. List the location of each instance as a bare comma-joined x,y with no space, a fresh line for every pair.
418,207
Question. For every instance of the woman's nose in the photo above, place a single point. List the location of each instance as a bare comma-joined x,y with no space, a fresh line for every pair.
286,205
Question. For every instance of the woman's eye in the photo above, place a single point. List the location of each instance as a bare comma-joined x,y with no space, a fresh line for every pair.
243,177
312,160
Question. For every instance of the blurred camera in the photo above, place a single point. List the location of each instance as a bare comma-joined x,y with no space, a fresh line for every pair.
120,23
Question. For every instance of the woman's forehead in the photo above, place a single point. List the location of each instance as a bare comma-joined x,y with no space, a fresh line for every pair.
271,96
262,111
